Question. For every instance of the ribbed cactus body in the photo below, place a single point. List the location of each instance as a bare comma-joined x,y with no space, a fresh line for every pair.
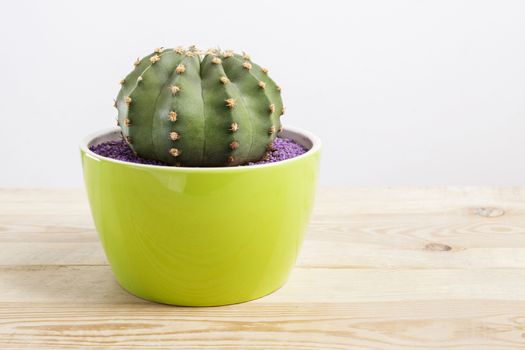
184,108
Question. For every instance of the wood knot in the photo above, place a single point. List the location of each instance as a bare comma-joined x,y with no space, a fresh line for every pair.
489,212
437,247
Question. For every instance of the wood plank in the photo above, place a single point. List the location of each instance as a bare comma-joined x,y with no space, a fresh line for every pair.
329,201
448,236
462,324
427,201
380,269
95,284
314,254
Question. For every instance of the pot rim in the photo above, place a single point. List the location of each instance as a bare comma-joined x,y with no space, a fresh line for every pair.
316,146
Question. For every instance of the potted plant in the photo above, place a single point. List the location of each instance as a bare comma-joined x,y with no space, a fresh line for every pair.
199,223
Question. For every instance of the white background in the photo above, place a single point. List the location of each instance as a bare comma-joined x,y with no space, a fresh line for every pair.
401,92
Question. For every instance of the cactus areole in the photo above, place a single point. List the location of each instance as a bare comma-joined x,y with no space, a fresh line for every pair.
186,107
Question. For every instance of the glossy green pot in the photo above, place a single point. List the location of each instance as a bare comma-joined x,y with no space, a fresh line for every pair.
201,236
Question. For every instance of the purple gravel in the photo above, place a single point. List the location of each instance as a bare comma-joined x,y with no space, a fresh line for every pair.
120,150
282,149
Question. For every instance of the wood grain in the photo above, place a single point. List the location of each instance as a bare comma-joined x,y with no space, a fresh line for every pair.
461,325
402,268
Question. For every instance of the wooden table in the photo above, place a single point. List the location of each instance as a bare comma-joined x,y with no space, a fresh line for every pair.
408,268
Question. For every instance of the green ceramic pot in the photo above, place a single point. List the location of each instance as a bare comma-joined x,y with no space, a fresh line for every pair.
201,236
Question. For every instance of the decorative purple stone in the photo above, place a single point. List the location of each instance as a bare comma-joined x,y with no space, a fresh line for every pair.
282,149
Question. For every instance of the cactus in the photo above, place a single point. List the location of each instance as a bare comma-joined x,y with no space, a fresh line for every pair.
192,108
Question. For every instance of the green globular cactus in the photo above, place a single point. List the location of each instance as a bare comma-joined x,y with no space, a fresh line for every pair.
185,107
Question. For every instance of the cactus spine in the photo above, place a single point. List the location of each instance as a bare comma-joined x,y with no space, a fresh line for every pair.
186,107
